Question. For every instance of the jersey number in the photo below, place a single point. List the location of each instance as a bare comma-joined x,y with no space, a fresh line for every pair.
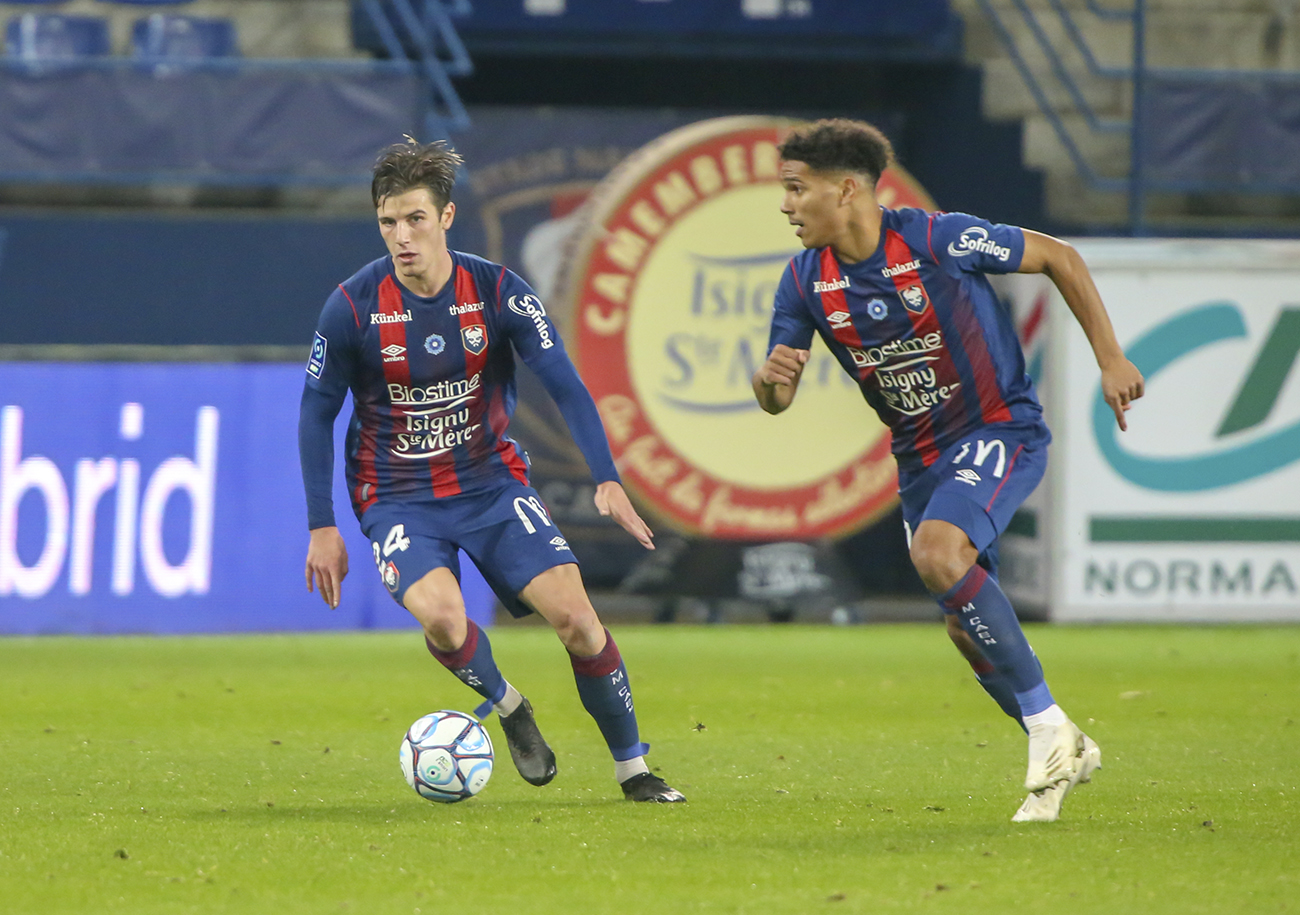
396,540
534,504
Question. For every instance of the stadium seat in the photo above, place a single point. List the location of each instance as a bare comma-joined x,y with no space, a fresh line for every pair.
53,38
182,38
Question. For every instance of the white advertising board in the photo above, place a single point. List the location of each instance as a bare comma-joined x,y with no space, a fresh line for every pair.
1194,512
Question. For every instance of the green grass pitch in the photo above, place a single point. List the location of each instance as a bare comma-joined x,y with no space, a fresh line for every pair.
829,770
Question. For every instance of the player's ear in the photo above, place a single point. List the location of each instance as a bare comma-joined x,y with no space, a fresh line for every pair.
448,215
850,187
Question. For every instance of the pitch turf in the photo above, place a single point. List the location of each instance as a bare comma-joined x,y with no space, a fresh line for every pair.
828,770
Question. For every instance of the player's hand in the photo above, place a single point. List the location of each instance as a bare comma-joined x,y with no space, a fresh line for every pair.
327,564
1121,383
784,365
777,379
611,500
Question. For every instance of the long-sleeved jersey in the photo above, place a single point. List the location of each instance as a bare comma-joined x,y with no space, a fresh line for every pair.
433,387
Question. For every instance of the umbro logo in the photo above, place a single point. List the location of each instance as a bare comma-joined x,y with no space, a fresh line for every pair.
839,319
559,543
393,352
966,475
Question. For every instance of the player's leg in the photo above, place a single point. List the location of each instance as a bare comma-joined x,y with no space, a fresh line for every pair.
472,662
916,496
559,597
945,559
987,676
421,572
980,483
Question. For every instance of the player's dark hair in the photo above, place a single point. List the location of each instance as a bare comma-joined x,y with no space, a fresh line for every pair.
406,166
839,145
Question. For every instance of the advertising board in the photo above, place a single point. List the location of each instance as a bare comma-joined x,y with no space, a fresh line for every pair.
167,499
1194,512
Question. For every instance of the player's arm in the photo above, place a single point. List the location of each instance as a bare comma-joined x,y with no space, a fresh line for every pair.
1121,382
777,379
563,383
327,556
547,357
323,393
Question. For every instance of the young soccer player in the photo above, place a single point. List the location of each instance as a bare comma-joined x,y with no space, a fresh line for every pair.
901,299
426,339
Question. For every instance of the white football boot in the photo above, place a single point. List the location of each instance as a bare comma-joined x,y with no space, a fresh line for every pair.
1054,750
1044,805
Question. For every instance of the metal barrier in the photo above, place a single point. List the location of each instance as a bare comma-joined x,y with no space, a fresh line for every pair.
1153,165
1133,184
440,54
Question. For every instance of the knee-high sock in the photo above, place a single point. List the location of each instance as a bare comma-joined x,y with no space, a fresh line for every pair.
987,617
998,689
607,697
472,663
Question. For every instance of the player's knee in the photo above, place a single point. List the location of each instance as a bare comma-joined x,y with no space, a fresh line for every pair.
579,629
441,614
939,565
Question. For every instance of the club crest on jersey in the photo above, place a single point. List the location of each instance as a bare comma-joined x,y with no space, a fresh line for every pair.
839,320
877,309
434,344
914,297
394,352
475,338
392,578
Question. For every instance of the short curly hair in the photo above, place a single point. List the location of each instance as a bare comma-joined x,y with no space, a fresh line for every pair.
839,144
406,166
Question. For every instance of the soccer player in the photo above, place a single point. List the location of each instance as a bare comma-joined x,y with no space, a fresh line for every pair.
426,339
901,299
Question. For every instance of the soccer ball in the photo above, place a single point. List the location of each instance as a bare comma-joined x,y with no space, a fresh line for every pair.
446,757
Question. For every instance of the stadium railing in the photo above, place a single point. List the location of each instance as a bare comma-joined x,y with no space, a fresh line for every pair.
1195,129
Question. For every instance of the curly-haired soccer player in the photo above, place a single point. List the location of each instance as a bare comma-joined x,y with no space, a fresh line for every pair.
901,299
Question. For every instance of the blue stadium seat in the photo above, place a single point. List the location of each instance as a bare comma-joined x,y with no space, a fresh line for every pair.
53,38
182,38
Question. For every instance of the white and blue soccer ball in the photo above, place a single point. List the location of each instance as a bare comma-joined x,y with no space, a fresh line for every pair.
446,757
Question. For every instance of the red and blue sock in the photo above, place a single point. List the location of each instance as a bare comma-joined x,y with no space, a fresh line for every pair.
607,696
986,615
472,664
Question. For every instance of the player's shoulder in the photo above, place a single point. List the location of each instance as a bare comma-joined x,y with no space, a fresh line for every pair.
806,262
488,275
804,268
907,217
480,267
363,286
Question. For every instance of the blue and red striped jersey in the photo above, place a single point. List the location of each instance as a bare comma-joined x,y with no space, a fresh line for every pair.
433,382
917,324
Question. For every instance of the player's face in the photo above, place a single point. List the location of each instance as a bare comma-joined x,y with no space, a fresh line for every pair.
415,231
813,203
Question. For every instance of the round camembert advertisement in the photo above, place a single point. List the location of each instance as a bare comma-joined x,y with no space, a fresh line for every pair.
669,285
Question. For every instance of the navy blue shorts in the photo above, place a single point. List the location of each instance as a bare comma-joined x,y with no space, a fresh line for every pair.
507,532
978,483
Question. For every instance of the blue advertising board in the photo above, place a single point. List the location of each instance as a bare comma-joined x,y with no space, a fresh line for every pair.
167,499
